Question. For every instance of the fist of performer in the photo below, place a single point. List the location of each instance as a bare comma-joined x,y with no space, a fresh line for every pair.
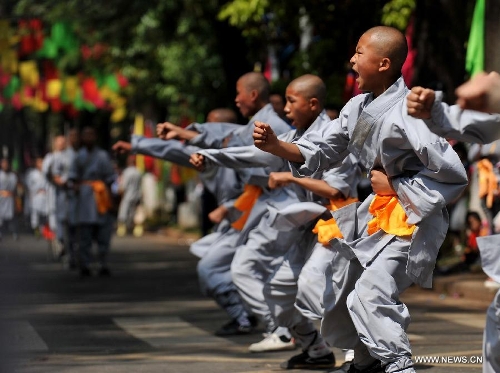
166,131
198,161
481,93
122,147
420,101
279,179
264,137
217,215
381,184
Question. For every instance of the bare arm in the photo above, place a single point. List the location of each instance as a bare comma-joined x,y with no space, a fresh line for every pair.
318,187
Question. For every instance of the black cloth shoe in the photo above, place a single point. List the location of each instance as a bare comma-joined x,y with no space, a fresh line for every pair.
233,327
376,367
304,361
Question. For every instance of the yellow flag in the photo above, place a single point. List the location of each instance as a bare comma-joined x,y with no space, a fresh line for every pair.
139,131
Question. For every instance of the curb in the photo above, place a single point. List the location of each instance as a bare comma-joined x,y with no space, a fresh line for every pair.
466,285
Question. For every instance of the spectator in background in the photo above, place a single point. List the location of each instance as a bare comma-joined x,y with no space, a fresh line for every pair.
38,188
8,184
130,189
278,103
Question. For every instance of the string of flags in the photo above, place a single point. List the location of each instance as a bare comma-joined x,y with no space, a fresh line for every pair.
30,77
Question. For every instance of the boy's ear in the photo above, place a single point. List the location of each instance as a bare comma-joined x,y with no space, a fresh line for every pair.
385,64
313,103
254,94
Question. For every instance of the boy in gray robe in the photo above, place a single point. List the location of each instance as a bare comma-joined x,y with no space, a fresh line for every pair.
39,190
480,93
91,175
258,257
385,255
217,249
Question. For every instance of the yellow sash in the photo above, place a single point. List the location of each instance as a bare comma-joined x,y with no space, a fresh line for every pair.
244,203
328,229
388,215
488,183
101,195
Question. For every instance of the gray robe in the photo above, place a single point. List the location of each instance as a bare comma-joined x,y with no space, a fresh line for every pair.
452,122
90,166
426,175
425,171
39,190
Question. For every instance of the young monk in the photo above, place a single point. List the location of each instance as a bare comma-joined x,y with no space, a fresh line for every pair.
216,250
255,260
395,240
481,93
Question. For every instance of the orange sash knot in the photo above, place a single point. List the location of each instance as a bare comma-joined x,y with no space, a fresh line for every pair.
244,203
101,195
488,183
328,229
389,216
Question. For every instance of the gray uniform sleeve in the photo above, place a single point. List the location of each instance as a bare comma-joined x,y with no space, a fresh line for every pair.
323,149
464,125
211,135
345,178
441,180
168,150
242,157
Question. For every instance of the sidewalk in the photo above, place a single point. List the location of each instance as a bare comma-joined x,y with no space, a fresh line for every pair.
464,285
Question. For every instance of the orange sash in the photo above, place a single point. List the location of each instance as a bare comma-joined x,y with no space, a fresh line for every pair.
101,195
488,183
244,203
389,216
5,193
328,229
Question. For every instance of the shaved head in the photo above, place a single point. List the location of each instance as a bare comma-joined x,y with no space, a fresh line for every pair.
391,43
310,86
222,115
256,81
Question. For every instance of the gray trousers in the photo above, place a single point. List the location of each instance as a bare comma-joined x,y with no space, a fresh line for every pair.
294,292
101,233
491,340
255,262
370,298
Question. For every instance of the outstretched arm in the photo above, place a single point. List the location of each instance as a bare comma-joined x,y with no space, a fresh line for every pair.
318,187
451,121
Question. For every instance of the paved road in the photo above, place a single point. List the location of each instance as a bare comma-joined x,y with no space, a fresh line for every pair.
149,317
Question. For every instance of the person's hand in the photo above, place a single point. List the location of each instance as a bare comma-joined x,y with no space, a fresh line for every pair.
264,137
381,184
279,179
166,131
419,102
217,215
122,147
481,93
198,161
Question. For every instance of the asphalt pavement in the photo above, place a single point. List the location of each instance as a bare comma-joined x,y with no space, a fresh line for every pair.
149,317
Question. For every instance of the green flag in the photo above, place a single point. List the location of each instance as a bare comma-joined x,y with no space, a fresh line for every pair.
474,59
